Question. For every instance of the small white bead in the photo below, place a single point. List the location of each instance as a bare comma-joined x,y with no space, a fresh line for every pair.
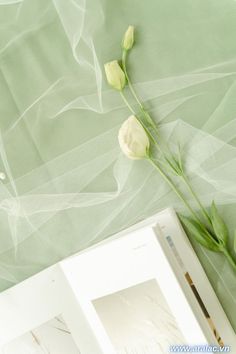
2,176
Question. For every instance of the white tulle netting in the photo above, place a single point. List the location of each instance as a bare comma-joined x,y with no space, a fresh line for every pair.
64,184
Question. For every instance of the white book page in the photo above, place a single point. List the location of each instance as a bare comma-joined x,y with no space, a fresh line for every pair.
121,273
41,315
139,320
52,337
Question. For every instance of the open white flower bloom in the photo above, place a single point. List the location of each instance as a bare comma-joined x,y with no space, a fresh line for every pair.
133,139
128,39
115,75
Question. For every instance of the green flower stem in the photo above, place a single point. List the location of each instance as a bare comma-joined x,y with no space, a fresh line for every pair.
202,209
229,257
143,110
173,186
124,57
223,249
181,197
149,119
133,112
126,102
184,178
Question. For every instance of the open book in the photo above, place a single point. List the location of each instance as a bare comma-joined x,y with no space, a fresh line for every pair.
141,291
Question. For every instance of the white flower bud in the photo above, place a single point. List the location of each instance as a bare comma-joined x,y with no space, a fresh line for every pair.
128,39
2,176
133,139
115,75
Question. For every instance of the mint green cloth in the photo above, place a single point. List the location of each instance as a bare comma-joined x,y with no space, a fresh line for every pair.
67,185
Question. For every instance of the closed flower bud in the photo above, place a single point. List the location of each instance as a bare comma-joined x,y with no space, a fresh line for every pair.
128,39
133,139
115,75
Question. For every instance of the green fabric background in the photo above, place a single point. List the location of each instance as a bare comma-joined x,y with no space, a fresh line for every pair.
67,184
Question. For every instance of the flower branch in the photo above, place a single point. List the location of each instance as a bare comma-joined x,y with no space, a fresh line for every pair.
136,139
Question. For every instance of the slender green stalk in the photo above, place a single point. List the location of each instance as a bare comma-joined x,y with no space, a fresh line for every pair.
172,185
202,209
149,119
124,57
126,102
182,198
229,257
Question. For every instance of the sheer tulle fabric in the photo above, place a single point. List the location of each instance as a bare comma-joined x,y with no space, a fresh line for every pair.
67,185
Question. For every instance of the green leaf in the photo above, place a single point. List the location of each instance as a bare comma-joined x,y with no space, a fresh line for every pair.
174,165
195,229
219,225
180,159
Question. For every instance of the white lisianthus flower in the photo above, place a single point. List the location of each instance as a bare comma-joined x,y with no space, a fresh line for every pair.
133,139
128,40
115,75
